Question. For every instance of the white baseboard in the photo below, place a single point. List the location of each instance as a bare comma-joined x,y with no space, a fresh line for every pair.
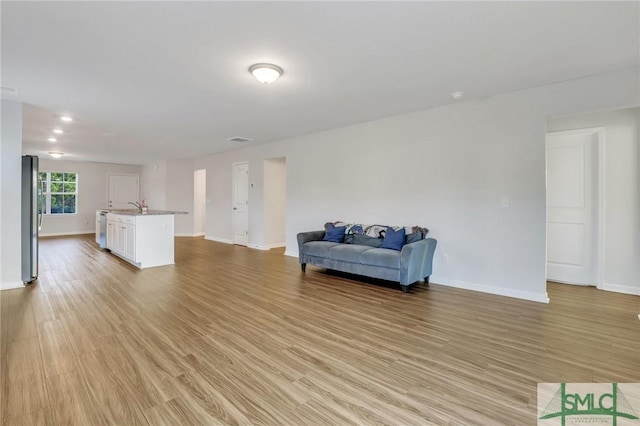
219,240
276,245
267,247
63,234
11,285
500,291
291,253
618,288
185,234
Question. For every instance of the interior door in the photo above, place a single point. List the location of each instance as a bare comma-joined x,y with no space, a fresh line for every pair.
122,190
570,208
240,200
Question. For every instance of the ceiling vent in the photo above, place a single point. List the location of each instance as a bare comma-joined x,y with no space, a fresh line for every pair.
239,139
6,89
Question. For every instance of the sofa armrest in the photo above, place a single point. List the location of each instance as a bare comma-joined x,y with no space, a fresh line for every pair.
305,237
416,260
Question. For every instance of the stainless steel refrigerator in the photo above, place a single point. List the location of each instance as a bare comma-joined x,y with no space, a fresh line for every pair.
31,217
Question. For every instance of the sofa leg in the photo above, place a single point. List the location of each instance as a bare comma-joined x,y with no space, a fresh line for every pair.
304,267
426,280
405,288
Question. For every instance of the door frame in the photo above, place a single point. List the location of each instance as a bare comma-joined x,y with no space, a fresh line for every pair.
601,204
233,186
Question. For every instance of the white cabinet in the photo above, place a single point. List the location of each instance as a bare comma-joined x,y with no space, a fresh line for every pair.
130,242
121,236
111,234
143,240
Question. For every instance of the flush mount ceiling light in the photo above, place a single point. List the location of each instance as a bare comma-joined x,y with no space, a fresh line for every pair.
265,73
58,131
457,95
52,140
56,154
66,118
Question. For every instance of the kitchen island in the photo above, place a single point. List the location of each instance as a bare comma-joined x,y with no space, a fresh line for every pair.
144,239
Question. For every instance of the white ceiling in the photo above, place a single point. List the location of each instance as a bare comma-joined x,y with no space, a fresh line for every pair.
171,79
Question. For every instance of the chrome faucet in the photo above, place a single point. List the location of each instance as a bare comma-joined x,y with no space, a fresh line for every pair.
137,204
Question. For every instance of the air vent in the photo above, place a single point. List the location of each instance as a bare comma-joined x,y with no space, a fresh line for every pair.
6,89
239,139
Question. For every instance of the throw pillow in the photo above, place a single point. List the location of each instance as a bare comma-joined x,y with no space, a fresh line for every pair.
363,240
393,240
334,234
413,237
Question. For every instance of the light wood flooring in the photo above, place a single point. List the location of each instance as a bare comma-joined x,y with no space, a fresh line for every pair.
231,335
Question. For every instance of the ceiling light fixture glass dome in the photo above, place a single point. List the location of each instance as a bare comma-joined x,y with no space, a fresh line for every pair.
265,73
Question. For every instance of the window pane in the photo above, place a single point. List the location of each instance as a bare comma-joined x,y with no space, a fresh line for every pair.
69,203
70,188
57,187
58,177
69,177
42,176
57,201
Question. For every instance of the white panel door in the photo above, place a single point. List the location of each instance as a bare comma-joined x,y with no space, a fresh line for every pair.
122,190
570,208
240,201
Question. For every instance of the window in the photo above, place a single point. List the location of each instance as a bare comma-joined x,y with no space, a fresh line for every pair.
57,193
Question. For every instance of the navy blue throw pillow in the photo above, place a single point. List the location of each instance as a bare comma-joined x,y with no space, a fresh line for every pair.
393,239
334,234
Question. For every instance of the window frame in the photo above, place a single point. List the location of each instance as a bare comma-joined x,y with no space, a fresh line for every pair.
47,192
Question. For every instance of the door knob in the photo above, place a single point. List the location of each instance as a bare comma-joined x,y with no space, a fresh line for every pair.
235,208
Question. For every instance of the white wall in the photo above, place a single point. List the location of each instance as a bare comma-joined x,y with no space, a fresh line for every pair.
446,168
153,185
275,202
622,187
92,194
180,194
199,201
11,196
168,185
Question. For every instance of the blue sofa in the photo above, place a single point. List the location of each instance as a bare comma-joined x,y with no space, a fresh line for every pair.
411,264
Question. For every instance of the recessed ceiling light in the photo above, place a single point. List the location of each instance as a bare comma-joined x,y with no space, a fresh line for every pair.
56,154
52,140
58,131
110,134
457,95
265,73
66,118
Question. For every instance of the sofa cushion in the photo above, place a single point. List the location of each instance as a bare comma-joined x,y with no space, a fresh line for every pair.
318,248
367,241
333,233
381,257
393,239
347,252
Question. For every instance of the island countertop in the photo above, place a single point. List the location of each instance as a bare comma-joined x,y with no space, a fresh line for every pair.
136,212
